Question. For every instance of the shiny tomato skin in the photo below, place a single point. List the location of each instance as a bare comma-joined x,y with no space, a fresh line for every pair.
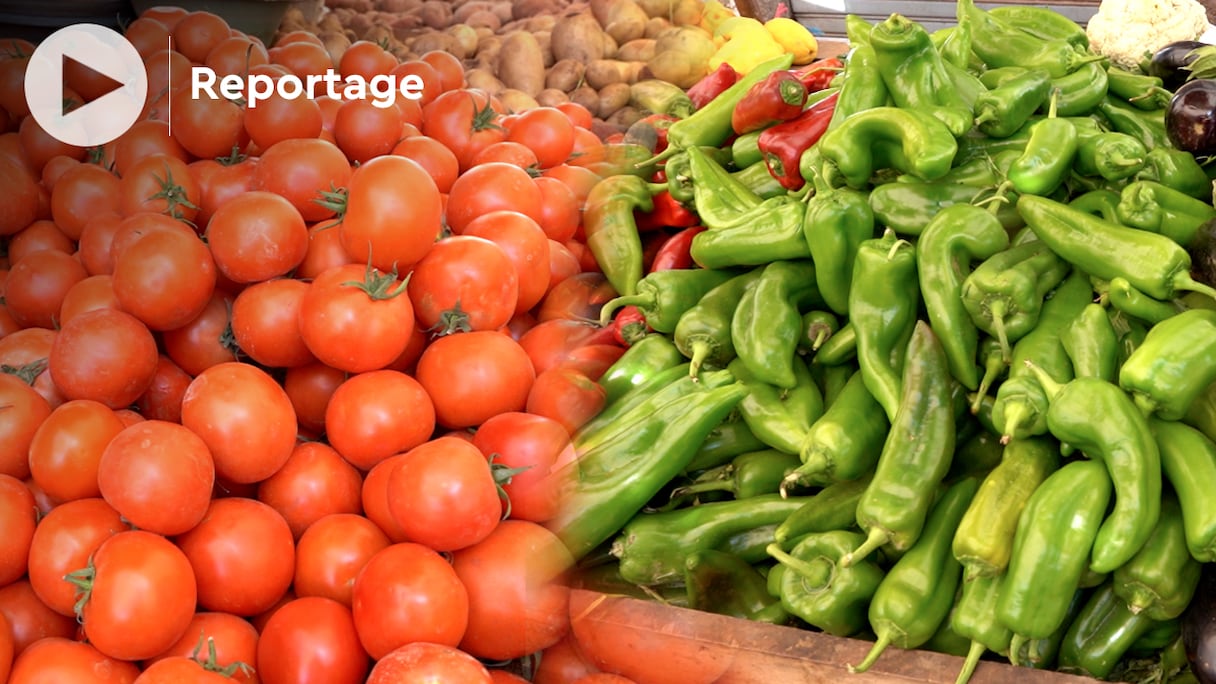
525,244
66,450
384,226
314,482
310,387
475,375
36,285
375,498
28,411
265,323
57,659
443,494
408,593
257,236
465,275
179,670
142,598
331,553
18,518
344,327
422,663
105,355
311,640
165,278
538,444
376,414
566,395
299,170
490,187
63,542
235,640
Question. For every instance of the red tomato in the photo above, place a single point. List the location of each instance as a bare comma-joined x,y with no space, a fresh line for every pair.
535,444
66,450
384,226
313,483
27,351
579,179
204,341
475,375
603,678
257,236
163,398
426,74
277,118
562,663
158,475
40,147
147,35
148,137
243,556
504,677
464,283
364,131
439,161
37,284
518,594
221,183
356,328
234,638
59,659
82,192
593,360
63,542
331,553
18,516
96,239
197,33
376,414
463,120
578,114
448,66
302,58
560,213
27,410
6,648
579,297
552,342
104,355
562,264
422,663
443,494
142,596
179,670
20,206
491,187
325,251
310,387
567,396
547,132
165,278
30,619
206,127
525,244
408,593
162,184
94,292
300,170
375,498
311,640
507,152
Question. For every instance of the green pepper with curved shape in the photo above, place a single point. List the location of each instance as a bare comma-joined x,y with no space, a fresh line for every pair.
844,443
815,587
1161,578
909,207
664,296
1000,44
1188,459
837,221
1002,110
723,583
1122,296
767,322
832,508
642,361
779,418
1177,169
612,231
703,333
1100,634
1091,344
1113,156
1174,365
911,66
1102,202
1158,208
1048,157
974,617
1147,127
770,232
862,87
747,475
888,138
1004,294
1042,22
729,439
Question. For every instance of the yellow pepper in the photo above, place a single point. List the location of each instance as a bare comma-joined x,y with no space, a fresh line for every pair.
794,37
745,47
714,13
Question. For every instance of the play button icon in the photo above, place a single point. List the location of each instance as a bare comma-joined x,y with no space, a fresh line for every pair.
99,49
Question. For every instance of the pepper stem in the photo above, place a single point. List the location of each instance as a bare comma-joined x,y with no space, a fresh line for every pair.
1051,386
1016,414
812,464
973,659
817,573
884,640
1183,281
706,486
876,538
1055,100
700,352
820,337
610,306
997,310
1015,649
663,156
1145,403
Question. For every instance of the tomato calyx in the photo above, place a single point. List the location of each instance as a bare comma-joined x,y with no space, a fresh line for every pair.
502,476
210,663
484,118
334,200
378,285
453,320
26,373
173,194
82,579
232,159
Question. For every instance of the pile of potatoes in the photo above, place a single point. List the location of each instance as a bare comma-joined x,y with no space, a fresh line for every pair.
536,52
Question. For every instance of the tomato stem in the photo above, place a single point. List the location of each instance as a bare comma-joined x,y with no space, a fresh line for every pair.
379,285
453,320
333,199
26,373
502,476
82,579
173,194
484,118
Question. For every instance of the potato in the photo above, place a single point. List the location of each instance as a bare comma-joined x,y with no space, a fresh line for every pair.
434,40
462,12
678,68
335,44
400,6
578,37
587,97
485,80
621,19
466,36
656,8
485,18
378,33
565,75
521,65
639,50
544,22
517,100
436,14
626,116
690,40
551,97
611,98
522,9
602,72
656,26
545,40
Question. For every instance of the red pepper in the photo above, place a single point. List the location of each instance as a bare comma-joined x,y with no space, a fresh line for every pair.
779,97
629,325
712,84
783,144
818,74
675,251
667,213
651,131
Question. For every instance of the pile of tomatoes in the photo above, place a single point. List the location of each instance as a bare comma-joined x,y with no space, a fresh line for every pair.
284,388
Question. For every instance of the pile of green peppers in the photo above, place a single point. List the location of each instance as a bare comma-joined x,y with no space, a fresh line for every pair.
958,392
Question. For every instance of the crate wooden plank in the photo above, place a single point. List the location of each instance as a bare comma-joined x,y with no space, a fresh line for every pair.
694,647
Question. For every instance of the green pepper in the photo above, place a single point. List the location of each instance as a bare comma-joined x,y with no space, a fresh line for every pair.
957,236
976,145
703,333
1001,111
843,444
822,592
916,454
883,302
1043,23
1147,127
832,508
857,29
907,208
1140,90
652,546
862,87
974,617
954,45
1158,208
1133,302
817,327
911,67
719,198
999,44
1051,548
1101,420
1188,459
729,439
837,221
1161,578
678,170
1041,653
1101,634
1048,156
983,542
780,418
1128,330
979,452
995,77
918,591
612,483
1091,344
768,320
1102,203
1177,169
1162,641
725,584
711,124
980,172
759,180
840,348
966,85
1175,364
747,475
1113,156
1080,91
992,360
642,361
664,296
1004,294
888,138
640,402
1154,264
612,232
770,232
745,150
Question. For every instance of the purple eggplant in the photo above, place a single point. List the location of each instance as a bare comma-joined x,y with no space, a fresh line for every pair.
1190,119
1199,627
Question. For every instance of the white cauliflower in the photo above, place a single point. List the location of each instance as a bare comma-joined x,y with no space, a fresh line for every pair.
1124,30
